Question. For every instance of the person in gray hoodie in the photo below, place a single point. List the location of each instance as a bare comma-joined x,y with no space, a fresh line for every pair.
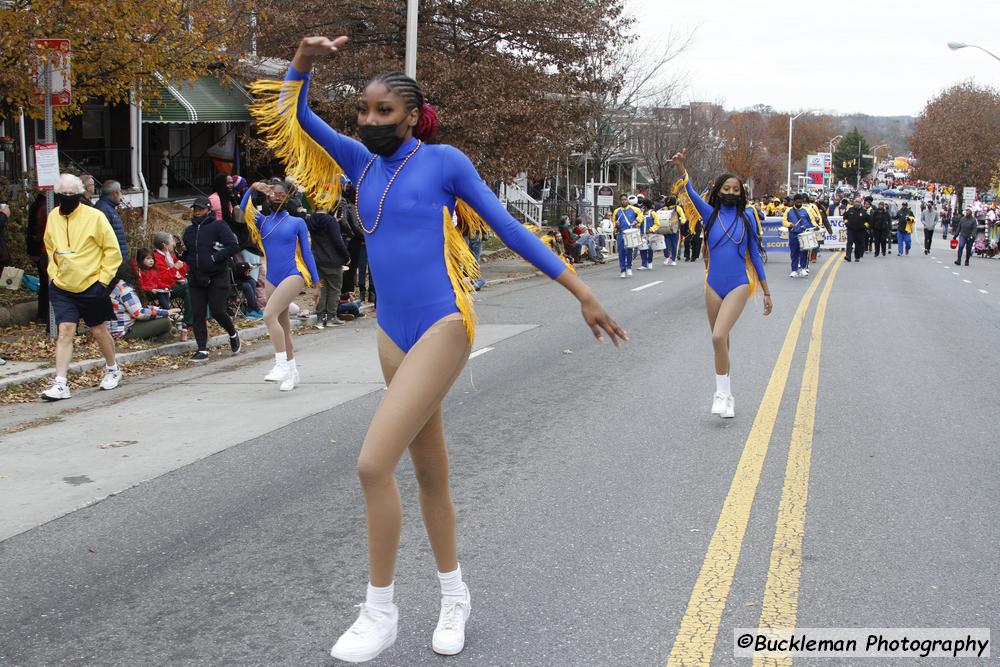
929,218
965,232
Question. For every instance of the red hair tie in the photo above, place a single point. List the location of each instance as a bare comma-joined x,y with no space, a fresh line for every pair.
428,124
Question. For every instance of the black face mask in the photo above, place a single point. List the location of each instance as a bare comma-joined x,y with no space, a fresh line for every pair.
67,203
380,139
729,199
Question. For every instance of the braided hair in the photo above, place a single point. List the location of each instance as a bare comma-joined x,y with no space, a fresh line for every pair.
413,95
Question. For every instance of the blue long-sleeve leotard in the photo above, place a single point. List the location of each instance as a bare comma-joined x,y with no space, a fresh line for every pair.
406,252
285,242
727,267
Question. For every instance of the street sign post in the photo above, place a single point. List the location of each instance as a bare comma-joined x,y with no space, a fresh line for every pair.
47,166
52,55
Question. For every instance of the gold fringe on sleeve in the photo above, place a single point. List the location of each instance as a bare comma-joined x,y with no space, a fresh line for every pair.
274,108
690,210
469,221
462,269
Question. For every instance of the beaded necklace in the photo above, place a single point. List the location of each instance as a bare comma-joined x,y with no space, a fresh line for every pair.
378,217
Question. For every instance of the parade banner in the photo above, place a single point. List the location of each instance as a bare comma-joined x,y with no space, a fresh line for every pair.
837,240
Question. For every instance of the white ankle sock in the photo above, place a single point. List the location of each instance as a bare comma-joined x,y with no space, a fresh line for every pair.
380,598
451,583
61,381
281,358
722,385
111,369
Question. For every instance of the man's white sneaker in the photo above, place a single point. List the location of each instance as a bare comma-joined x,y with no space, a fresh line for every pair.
623,274
793,274
372,633
673,262
276,374
56,392
290,381
111,379
729,410
718,403
666,262
628,272
804,273
449,635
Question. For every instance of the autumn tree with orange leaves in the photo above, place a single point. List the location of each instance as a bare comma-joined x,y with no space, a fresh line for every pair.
511,79
118,45
956,138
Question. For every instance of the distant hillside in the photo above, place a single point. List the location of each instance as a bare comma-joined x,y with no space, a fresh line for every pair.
893,130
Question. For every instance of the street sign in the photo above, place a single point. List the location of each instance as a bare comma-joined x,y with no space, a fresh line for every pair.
47,166
605,196
54,52
968,196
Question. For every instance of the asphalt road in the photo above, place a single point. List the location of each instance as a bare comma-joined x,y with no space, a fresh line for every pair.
589,484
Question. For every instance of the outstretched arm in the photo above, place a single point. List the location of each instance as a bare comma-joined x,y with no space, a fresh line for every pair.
462,180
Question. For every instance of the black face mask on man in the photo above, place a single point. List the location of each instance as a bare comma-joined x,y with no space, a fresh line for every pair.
728,199
67,203
380,139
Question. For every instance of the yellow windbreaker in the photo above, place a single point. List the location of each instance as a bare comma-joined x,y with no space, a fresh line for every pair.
82,249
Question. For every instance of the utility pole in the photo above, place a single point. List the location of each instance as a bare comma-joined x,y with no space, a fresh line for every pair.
412,12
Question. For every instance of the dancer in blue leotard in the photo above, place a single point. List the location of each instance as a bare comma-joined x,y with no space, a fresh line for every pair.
284,239
407,192
733,263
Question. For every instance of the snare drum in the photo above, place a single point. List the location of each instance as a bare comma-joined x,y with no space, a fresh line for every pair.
631,238
644,243
657,242
807,240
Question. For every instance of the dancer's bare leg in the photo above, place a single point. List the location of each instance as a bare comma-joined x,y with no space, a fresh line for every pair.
276,312
409,417
722,316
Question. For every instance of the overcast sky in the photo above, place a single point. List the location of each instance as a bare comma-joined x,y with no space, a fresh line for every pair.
880,57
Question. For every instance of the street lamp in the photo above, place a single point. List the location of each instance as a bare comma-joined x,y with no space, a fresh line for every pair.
955,46
788,179
833,142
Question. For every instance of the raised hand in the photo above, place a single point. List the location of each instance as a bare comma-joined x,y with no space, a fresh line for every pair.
311,48
678,159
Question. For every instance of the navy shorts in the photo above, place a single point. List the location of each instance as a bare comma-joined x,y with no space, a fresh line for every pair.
93,305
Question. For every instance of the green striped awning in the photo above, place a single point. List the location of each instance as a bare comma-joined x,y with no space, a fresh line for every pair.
206,100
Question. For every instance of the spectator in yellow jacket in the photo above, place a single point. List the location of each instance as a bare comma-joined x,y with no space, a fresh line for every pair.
84,257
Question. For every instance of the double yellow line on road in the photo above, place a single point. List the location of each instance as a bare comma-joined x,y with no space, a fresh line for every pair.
699,628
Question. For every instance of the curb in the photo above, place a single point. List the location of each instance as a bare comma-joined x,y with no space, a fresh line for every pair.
170,349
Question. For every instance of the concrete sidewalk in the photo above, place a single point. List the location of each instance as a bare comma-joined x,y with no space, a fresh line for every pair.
63,456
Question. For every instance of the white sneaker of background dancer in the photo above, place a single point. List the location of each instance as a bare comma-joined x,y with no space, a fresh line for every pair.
276,374
729,407
628,272
290,379
372,633
449,635
718,403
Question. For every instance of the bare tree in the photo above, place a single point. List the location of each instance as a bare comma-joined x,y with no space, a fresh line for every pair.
633,78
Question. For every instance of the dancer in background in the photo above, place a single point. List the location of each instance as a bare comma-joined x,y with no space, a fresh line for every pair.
284,239
735,268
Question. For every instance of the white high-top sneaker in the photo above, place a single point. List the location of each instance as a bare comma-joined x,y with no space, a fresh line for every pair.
290,379
449,635
276,374
718,403
372,633
729,408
